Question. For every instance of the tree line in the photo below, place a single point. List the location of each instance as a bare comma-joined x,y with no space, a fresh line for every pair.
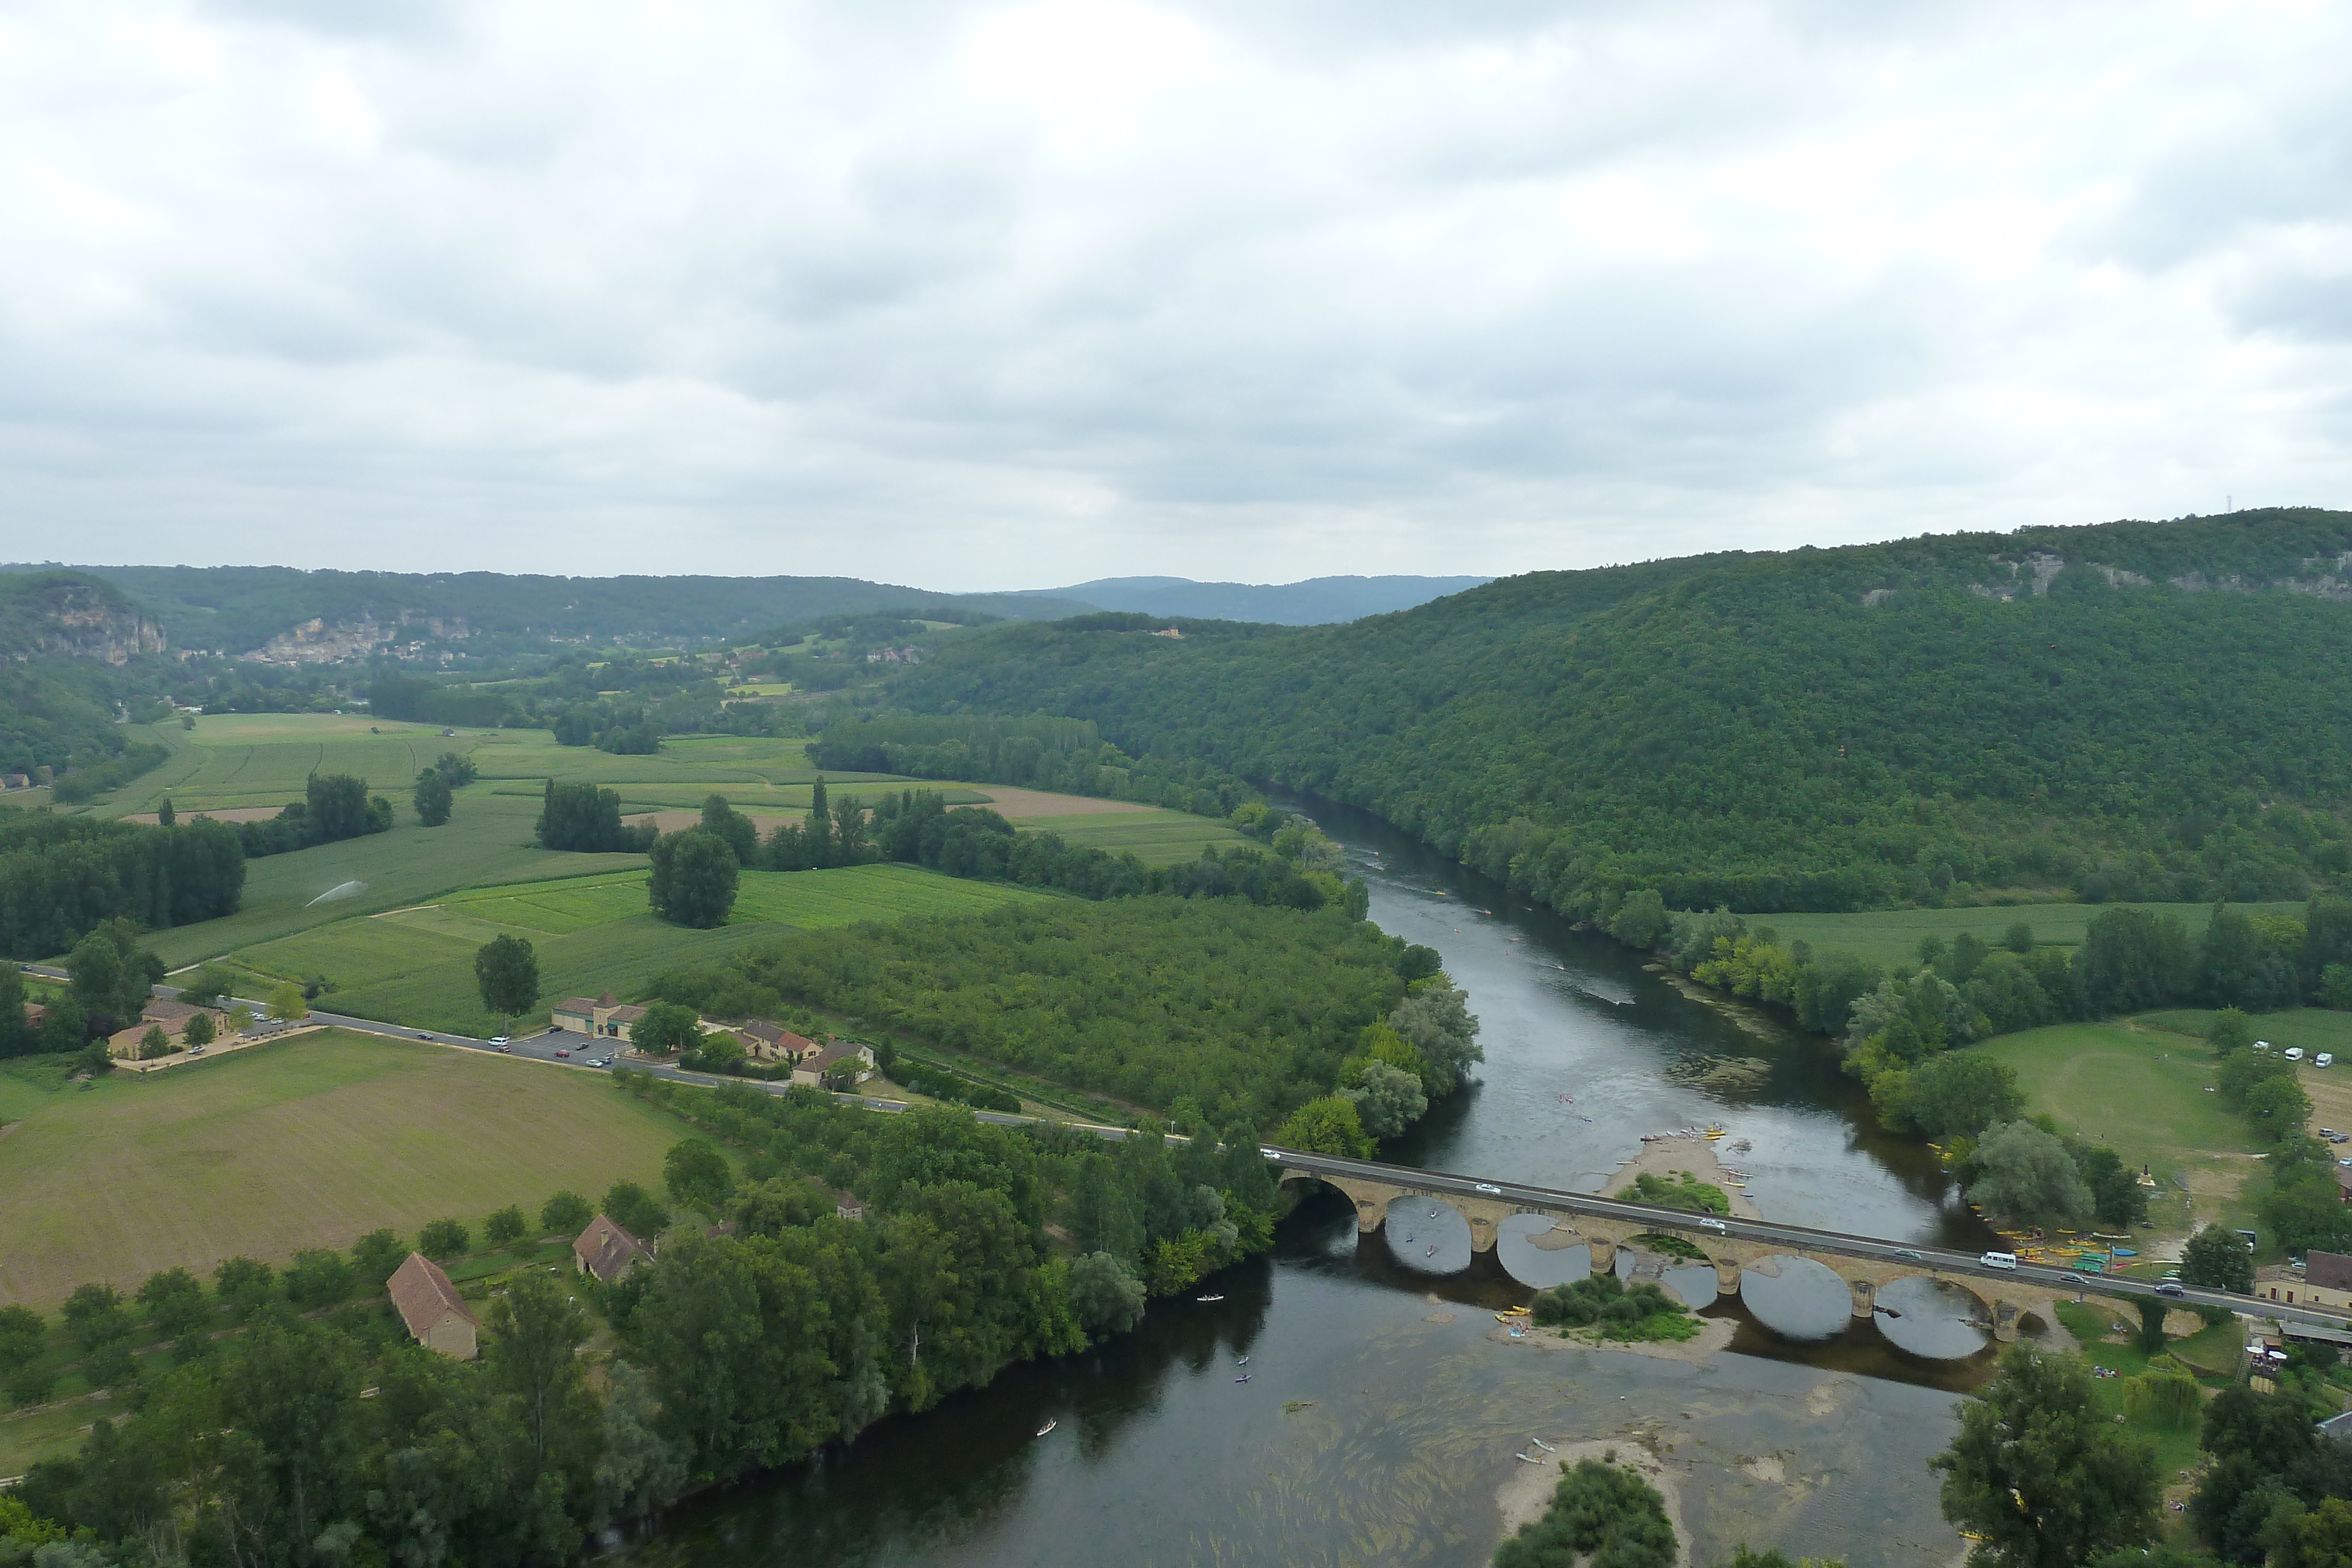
61,877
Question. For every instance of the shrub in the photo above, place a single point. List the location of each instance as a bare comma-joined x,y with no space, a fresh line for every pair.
507,1225
318,1276
566,1212
444,1238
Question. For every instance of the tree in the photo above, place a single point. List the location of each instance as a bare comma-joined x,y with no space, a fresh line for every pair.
375,1257
565,1214
2131,960
697,1173
2150,1338
1436,1020
165,815
1107,1295
155,1044
506,1226
2038,1476
243,1286
111,972
2019,937
2218,1259
2028,1174
1960,1093
665,1027
2230,1030
96,1315
17,1036
444,1238
1642,921
1326,1126
536,1331
318,1276
1387,1101
432,798
457,768
507,970
694,879
634,1209
2238,967
176,1305
198,1030
2277,1108
742,835
286,1003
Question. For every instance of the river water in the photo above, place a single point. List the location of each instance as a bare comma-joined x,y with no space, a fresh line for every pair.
1382,1414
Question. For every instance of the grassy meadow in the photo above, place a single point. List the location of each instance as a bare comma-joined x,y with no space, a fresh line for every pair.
592,934
310,1142
2141,1090
1155,836
1890,937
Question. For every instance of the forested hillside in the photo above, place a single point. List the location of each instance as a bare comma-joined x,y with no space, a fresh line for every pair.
2137,710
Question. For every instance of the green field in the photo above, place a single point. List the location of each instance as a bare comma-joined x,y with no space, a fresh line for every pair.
591,935
311,1142
1155,836
1890,937
2142,1092
2314,1029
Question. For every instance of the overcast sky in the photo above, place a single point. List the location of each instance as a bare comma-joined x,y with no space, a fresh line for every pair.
988,296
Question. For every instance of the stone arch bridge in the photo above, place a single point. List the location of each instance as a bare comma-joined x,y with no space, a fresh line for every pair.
1866,1265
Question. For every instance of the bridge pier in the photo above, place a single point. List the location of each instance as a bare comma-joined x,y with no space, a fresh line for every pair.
1865,1296
1604,1254
1727,1276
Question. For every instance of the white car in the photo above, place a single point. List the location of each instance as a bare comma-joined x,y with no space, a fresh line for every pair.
2325,1058
2262,1045
501,1039
2294,1053
1714,1225
1488,1187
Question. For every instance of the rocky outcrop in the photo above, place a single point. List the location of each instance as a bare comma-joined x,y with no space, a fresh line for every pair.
80,617
321,642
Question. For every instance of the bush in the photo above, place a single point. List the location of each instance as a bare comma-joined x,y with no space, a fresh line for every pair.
507,1225
243,1286
444,1238
317,1278
635,1210
375,1257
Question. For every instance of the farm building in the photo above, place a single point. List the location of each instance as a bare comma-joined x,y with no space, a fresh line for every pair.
170,1017
606,1017
605,1251
429,1305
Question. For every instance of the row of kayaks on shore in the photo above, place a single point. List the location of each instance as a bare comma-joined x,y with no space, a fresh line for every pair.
1709,1134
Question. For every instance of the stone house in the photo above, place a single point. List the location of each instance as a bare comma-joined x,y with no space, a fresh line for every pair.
606,1017
811,1070
2326,1283
766,1042
604,1252
170,1017
429,1305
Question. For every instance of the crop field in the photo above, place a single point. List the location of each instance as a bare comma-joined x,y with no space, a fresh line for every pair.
311,1142
591,933
487,840
1155,836
1891,936
2141,1091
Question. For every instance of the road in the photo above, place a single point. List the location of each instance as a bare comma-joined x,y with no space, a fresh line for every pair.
1797,1238
542,1047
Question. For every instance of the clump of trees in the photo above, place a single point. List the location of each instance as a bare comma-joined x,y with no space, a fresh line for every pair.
437,785
2031,1172
334,806
61,877
1641,1310
2218,1259
2039,1477
1599,1512
584,817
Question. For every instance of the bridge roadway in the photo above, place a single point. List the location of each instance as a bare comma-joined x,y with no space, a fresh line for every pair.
1797,1238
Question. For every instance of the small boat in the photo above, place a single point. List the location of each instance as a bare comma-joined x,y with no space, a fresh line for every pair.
1241,1361
1204,1301
1532,1462
1432,1250
1547,1448
1244,1377
1045,1428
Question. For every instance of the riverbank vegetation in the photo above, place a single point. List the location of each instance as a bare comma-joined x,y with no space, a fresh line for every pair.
1601,1513
734,1350
1609,1309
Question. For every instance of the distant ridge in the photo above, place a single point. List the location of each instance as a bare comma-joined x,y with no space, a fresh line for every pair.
1317,602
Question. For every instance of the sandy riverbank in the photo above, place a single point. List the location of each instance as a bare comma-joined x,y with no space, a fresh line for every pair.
1526,1495
1665,1157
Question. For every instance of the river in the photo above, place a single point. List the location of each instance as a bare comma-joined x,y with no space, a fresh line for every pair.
1382,1415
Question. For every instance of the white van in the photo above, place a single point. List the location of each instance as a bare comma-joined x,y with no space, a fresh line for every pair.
2325,1058
1999,1261
2262,1045
2294,1053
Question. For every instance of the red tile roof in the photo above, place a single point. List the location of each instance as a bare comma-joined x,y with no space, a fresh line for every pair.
424,1295
607,1250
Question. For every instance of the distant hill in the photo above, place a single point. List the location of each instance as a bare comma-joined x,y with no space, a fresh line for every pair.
238,609
64,640
2128,710
1317,602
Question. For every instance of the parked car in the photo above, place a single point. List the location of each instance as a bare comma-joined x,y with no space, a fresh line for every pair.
2294,1053
2262,1045
2325,1058
560,1051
